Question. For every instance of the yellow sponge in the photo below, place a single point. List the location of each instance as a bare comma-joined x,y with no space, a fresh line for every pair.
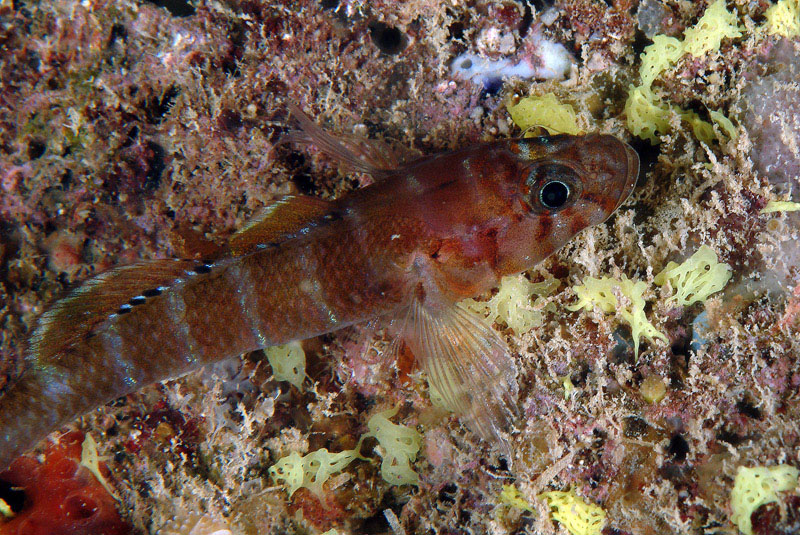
658,57
511,496
716,24
579,517
545,111
780,206
646,113
400,447
601,293
512,303
400,444
754,487
697,278
310,471
288,363
725,124
784,18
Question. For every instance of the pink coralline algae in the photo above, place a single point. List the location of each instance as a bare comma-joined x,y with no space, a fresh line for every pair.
132,131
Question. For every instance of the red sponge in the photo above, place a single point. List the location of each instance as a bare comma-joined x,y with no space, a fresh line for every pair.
61,497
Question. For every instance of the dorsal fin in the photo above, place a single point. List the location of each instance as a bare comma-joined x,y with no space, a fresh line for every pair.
352,152
277,223
113,292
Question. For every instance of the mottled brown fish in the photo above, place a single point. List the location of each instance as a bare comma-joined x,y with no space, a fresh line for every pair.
425,235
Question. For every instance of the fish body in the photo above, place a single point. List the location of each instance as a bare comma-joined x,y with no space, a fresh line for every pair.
425,235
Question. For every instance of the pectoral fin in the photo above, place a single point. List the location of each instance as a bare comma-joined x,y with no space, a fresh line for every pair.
468,364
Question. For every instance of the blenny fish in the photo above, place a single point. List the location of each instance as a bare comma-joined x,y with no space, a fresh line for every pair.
425,235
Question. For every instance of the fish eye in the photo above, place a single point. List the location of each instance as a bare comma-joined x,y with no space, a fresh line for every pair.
552,186
554,194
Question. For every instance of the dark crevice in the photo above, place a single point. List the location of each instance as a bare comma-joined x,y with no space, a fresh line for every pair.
177,8
678,448
388,39
157,109
13,496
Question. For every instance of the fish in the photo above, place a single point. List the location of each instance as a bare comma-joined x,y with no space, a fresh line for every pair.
428,232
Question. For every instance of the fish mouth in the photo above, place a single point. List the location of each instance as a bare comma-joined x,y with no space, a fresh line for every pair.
632,174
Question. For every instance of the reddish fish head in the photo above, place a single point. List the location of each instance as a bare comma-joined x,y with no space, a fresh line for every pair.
577,180
567,183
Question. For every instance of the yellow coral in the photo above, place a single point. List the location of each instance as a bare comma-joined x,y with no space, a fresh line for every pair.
579,517
512,303
600,292
400,447
545,111
716,24
784,18
697,278
288,363
753,487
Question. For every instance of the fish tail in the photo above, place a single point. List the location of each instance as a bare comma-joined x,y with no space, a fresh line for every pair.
25,418
68,367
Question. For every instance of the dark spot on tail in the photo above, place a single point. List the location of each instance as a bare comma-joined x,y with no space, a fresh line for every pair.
153,292
202,269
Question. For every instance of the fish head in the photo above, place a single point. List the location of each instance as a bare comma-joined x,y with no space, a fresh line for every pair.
565,184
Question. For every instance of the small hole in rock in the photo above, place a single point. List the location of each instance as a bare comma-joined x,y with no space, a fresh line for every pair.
388,39
678,448
13,496
36,148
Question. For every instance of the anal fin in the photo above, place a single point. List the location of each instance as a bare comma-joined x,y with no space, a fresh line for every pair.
469,365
